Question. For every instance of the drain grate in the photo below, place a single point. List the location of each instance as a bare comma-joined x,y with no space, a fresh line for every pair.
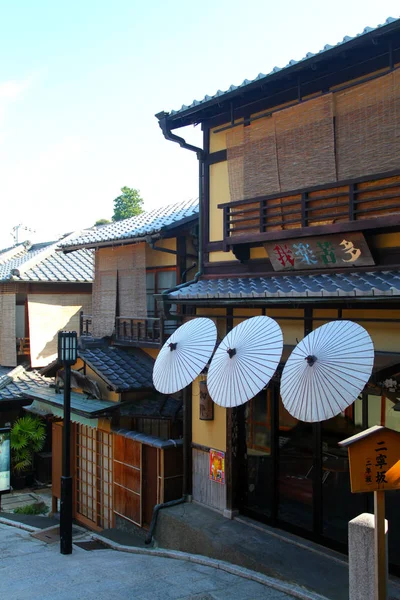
52,535
91,545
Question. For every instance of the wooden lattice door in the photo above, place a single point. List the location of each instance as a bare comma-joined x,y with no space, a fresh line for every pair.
93,485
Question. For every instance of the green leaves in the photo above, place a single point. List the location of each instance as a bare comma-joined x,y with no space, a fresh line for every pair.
28,435
128,204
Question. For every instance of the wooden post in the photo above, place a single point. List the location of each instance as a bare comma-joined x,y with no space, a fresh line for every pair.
380,546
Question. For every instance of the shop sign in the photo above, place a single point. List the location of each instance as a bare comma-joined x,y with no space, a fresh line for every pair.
374,457
217,466
5,460
320,252
206,404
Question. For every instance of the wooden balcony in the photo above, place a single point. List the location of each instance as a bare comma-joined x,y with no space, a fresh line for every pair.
364,203
147,332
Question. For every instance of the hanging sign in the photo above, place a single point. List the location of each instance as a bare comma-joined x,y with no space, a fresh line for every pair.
217,466
5,460
374,457
320,252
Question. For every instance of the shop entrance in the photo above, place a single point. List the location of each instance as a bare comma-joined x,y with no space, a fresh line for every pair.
294,474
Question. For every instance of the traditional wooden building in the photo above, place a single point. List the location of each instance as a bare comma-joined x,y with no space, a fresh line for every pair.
41,291
127,442
300,220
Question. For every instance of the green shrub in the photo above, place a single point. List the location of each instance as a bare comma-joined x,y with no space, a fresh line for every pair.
37,508
28,435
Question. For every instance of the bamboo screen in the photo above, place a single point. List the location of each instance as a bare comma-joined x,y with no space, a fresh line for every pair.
292,149
305,142
368,127
235,158
8,348
48,313
127,264
335,137
132,281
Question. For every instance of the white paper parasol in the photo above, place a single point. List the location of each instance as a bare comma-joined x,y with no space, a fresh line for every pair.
245,361
326,371
184,355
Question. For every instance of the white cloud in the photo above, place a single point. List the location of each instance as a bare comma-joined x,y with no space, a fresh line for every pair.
10,92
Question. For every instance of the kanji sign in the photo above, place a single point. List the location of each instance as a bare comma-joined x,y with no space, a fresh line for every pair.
374,457
330,251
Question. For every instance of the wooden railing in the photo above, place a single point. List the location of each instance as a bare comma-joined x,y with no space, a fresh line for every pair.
139,330
85,324
357,204
23,346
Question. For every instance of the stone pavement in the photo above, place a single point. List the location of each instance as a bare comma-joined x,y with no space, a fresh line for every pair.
33,569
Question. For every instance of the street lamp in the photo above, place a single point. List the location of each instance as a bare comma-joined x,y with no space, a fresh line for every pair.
67,355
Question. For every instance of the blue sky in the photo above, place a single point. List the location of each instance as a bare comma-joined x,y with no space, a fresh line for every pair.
80,82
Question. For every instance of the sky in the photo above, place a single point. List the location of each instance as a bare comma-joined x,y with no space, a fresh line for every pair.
81,81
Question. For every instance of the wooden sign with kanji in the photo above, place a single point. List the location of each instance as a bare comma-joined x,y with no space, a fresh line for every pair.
320,252
374,457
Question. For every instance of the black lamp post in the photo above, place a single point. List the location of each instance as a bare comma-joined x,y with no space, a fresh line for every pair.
67,355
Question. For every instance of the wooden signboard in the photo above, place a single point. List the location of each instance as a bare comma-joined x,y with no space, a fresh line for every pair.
206,404
374,457
320,252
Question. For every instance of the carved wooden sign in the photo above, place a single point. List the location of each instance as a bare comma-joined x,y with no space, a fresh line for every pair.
320,252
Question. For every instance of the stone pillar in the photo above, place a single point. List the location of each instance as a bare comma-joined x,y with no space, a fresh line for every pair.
362,557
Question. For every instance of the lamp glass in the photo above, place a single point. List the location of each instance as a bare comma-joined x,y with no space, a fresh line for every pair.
67,347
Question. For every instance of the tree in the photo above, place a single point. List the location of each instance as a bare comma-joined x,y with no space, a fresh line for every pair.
101,222
128,204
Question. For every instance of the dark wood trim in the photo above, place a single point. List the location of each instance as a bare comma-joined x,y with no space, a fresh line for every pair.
187,441
376,223
233,268
214,246
205,207
216,157
359,58
200,447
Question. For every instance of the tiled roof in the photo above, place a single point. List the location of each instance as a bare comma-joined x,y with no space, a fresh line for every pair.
13,382
262,76
122,370
42,262
375,284
156,406
80,404
148,223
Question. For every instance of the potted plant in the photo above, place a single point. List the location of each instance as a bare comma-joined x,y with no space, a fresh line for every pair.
28,435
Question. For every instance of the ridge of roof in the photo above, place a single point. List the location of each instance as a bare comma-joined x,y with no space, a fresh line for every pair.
262,76
137,227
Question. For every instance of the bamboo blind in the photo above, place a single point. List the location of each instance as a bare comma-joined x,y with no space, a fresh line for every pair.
48,313
8,348
335,137
368,127
126,266
132,282
104,302
305,142
260,159
235,158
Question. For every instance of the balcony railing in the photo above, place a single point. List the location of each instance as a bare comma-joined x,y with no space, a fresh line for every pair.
139,331
85,324
358,204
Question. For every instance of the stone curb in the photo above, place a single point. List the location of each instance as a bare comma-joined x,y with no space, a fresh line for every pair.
281,586
19,525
